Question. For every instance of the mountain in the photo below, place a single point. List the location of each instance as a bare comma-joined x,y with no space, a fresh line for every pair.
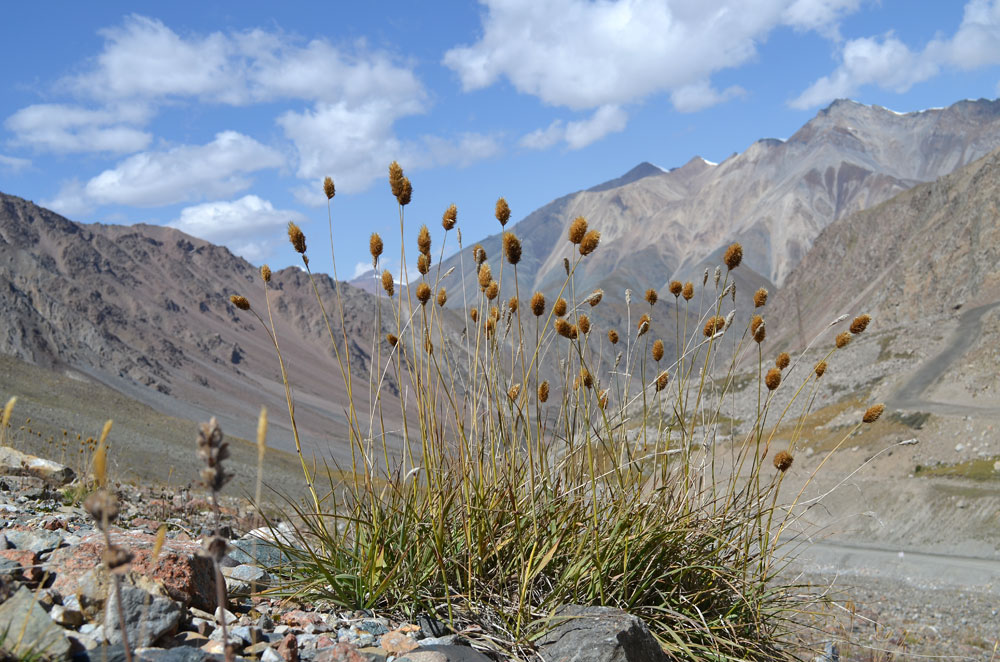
775,198
145,310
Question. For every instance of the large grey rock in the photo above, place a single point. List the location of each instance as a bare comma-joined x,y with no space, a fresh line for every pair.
147,617
599,634
450,653
30,631
15,463
35,540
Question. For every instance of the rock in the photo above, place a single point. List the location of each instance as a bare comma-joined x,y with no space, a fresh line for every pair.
221,614
288,648
340,653
451,653
257,552
598,634
35,540
27,559
397,643
271,655
432,627
244,579
37,633
181,654
147,617
16,463
69,618
423,656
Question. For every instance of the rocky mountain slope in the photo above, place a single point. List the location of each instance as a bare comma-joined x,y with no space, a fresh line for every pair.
145,309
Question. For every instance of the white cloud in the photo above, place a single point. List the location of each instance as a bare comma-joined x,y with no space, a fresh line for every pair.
13,163
71,201
187,172
580,133
232,222
890,64
583,54
700,95
66,129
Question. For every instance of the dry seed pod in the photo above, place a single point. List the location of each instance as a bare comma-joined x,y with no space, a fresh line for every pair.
602,399
492,290
843,339
563,328
240,302
860,323
820,369
675,288
512,247
423,264
560,308
449,218
759,298
424,240
657,350
478,254
543,391
391,339
643,324
590,242
704,279
651,296
514,391
387,283
423,293
265,273
783,461
872,413
688,291
661,381
782,360
714,324
586,378
328,188
773,379
538,304
718,275
512,304
595,297
583,322
407,194
502,211
613,336
577,230
760,333
442,297
296,237
485,276
474,314
396,179
733,256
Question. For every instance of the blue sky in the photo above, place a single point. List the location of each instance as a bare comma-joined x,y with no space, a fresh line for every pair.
223,118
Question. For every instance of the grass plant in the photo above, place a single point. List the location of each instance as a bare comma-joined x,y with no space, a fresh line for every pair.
542,466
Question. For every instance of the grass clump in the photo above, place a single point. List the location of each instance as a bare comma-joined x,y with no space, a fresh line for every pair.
543,467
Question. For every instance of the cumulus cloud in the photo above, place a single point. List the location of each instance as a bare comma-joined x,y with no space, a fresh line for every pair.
700,95
892,65
230,222
13,163
580,133
67,129
583,55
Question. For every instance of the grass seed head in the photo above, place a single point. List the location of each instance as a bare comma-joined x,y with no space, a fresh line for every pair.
675,288
511,247
773,379
213,451
423,264
658,350
643,325
566,265
612,336
563,328
583,323
819,369
514,391
407,195
688,291
860,323
651,296
590,242
490,326
718,275
577,230
240,302
492,290
586,378
760,334
474,314
8,409
328,188
595,297
755,323
423,293
759,298
512,304
391,339
661,381
387,283
478,254
733,256
714,324
396,179
296,237
424,240
543,391
375,247
502,211
783,461
485,276
265,273
872,413
538,304
843,339
450,217
782,360
442,297
560,308
602,400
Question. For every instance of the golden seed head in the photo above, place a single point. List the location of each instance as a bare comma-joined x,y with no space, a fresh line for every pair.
562,327
590,241
450,217
782,360
577,229
538,304
843,339
391,339
760,334
474,314
783,461
407,193
566,265
442,297
773,379
643,325
485,275
396,179
657,350
576,383
651,296
583,322
375,247
872,413
502,211
586,378
820,369
675,288
387,283
265,273
492,290
560,308
423,263
490,325
479,253
759,298
240,302
688,291
613,336
543,391
424,240
860,323
328,188
296,237
511,247
602,399
718,275
714,324
733,256
755,323
514,391
512,304
573,332
661,380
595,297
423,293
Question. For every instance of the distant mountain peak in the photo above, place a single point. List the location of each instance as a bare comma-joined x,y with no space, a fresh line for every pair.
641,171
